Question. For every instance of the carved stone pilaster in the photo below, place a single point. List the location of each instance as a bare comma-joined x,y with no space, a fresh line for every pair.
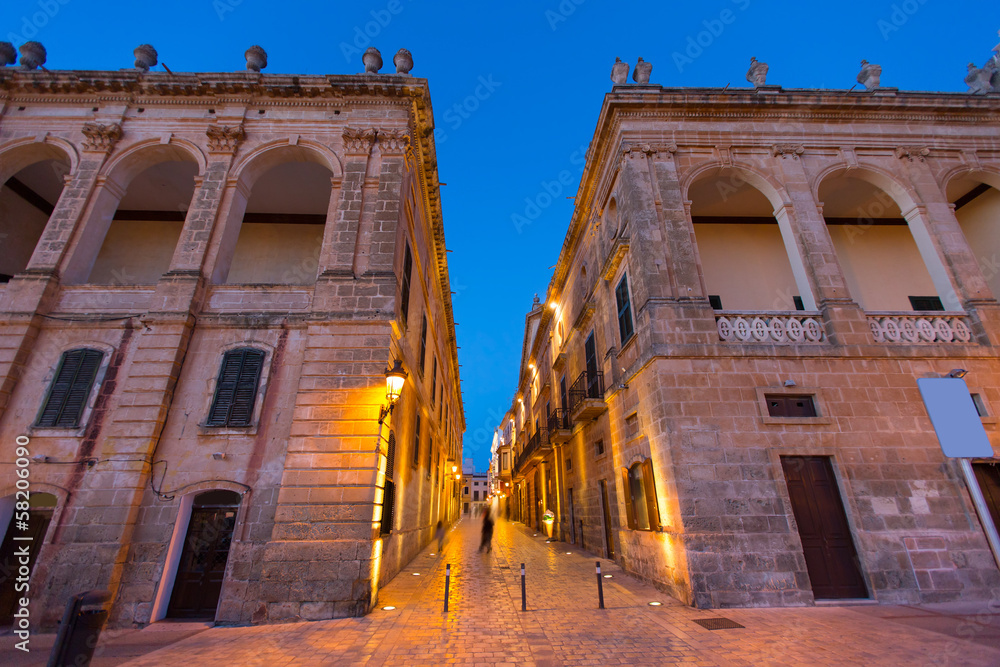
101,138
912,153
358,142
637,150
393,141
224,139
788,150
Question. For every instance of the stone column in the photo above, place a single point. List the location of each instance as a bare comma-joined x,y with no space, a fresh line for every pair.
27,294
181,287
689,317
340,241
813,257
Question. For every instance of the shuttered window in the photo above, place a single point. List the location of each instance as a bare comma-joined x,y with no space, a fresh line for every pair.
625,328
404,290
641,510
389,493
70,389
236,388
416,442
423,346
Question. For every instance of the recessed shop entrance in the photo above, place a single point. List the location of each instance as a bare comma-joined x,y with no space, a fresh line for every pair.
30,535
831,559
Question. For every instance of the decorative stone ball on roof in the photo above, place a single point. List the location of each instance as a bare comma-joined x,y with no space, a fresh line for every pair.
642,71
403,60
256,58
8,56
32,55
145,57
869,75
619,72
372,60
757,74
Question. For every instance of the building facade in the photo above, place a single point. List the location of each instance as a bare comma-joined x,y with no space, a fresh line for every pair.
205,278
720,389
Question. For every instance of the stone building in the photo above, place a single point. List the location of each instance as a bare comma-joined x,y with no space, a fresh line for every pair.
720,388
206,276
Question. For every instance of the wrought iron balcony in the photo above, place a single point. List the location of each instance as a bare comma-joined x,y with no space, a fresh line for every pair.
560,426
586,397
538,447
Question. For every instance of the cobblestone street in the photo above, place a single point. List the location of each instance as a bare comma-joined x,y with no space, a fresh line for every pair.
563,626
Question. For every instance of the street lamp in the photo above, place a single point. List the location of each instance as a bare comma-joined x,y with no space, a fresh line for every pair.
395,378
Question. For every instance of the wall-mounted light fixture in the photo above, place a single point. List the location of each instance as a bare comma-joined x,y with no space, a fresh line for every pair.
958,373
395,378
219,456
789,383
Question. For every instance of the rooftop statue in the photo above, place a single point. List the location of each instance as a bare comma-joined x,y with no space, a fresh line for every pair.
757,74
869,75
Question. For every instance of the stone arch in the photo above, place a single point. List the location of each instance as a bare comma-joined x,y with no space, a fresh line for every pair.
271,234
128,162
155,180
32,177
17,154
879,229
974,195
748,256
249,168
744,173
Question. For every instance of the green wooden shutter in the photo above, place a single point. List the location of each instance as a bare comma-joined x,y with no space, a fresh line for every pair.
236,388
652,509
629,510
70,389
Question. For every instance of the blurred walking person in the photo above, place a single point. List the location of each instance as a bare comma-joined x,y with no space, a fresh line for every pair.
487,541
439,536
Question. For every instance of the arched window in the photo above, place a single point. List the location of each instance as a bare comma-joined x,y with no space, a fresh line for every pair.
640,496
27,199
70,389
236,388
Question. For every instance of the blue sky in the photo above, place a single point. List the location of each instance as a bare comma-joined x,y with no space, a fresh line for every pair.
517,87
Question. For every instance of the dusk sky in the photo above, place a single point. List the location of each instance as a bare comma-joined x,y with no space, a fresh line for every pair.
517,87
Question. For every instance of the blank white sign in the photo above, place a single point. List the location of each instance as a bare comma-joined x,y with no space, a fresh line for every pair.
957,423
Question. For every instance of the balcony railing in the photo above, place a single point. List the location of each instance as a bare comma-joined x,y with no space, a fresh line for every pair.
919,328
560,426
537,447
750,327
586,396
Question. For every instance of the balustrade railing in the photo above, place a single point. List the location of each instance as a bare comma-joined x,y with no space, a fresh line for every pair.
920,328
749,327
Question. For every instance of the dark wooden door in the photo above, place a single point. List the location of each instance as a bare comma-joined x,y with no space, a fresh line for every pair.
609,539
988,476
202,567
38,524
831,558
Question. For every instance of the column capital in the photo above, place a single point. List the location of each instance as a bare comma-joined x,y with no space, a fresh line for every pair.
224,138
358,141
101,138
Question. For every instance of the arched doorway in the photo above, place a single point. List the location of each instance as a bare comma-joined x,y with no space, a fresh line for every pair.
202,566
31,536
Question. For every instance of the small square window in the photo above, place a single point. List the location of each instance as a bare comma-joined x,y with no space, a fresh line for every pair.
781,405
797,300
926,303
569,463
599,446
715,301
